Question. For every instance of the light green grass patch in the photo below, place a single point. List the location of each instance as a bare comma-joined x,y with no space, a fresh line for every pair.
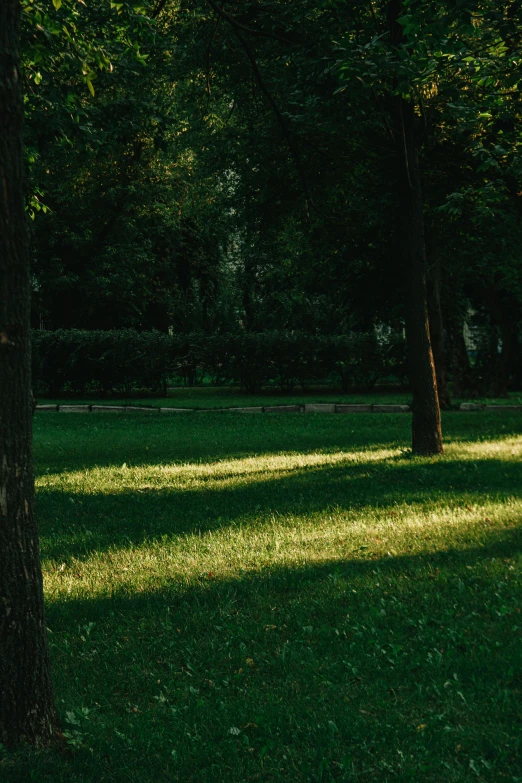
255,540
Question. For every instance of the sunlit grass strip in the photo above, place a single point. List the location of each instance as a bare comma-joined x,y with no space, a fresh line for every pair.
256,540
292,541
225,473
221,473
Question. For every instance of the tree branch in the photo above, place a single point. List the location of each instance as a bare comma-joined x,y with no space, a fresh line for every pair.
159,8
275,108
209,51
239,26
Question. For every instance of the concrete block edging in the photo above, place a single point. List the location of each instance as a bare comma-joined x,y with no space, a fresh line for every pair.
282,409
108,408
342,408
353,408
391,409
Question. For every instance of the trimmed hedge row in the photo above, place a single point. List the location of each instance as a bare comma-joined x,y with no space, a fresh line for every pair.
120,361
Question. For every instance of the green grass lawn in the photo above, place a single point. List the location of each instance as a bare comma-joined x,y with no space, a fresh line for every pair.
280,598
223,397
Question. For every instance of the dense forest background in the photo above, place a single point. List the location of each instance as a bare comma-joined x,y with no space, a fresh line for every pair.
212,168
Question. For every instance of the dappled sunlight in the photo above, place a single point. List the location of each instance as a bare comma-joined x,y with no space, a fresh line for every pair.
171,525
290,541
293,563
149,527
223,474
219,474
508,448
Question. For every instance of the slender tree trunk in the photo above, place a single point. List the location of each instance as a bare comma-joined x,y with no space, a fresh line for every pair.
437,330
26,698
248,283
426,423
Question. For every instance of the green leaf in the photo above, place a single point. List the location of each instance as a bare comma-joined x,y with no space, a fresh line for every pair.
90,86
71,718
57,4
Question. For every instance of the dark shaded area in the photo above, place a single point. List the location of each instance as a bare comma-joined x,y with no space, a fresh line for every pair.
65,442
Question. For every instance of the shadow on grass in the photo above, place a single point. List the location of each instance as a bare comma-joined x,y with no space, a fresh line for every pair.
404,668
78,443
75,525
69,442
383,669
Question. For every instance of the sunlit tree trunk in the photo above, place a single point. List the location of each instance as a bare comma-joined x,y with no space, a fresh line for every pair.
27,711
437,329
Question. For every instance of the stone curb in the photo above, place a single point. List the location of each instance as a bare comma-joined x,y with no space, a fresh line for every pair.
477,406
318,407
282,409
175,410
353,408
108,408
307,408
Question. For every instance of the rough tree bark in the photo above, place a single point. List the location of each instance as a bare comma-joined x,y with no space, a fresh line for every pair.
426,422
437,329
27,712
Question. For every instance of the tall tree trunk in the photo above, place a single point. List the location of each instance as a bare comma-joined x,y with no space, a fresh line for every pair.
27,710
426,423
437,329
247,285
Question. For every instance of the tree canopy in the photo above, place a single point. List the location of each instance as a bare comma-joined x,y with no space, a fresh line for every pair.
208,167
